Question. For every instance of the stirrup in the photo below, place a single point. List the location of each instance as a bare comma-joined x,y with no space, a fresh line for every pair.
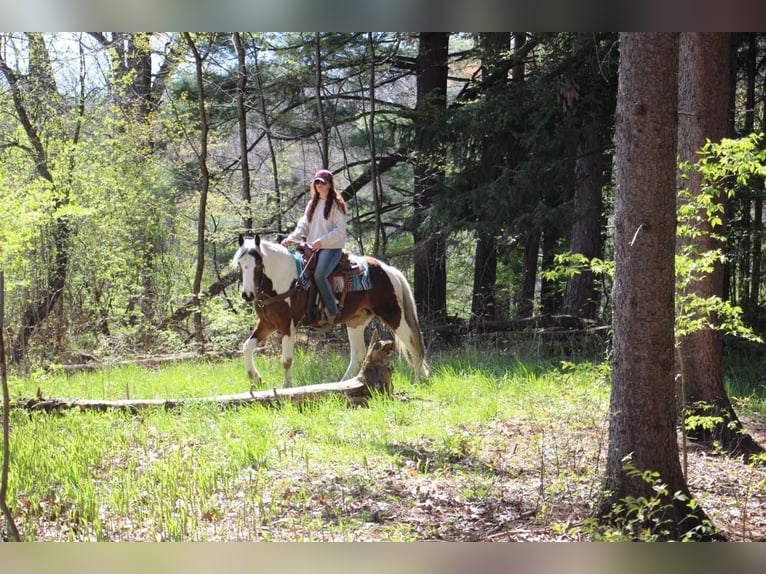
327,324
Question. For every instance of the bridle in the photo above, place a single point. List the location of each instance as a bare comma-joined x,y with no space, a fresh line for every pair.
262,298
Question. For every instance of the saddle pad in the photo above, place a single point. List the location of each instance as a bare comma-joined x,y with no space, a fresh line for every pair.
298,258
356,282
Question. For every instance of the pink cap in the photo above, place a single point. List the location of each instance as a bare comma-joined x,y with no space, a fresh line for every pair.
323,175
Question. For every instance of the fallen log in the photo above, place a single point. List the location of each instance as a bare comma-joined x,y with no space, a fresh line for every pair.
373,377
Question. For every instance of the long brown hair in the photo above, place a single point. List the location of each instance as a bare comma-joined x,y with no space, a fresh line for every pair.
333,197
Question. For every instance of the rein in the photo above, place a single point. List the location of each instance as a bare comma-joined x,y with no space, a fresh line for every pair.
262,302
277,298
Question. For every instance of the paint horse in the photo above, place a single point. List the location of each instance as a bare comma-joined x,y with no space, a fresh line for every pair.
269,279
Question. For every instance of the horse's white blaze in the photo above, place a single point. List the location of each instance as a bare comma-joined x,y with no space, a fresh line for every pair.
248,289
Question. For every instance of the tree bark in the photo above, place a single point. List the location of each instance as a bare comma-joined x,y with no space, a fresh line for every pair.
204,188
242,131
551,299
268,122
483,303
592,172
642,414
374,377
526,306
703,92
380,240
10,524
430,276
324,147
483,300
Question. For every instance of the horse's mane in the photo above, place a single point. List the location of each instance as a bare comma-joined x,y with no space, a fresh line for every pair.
266,247
271,247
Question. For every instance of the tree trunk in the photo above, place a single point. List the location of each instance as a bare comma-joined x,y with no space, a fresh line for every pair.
244,163
703,92
483,300
374,377
526,304
551,300
204,188
267,130
380,241
430,277
758,186
10,524
642,416
592,173
324,147
483,304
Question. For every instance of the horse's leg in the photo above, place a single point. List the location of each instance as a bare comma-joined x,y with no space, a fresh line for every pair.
257,338
248,350
358,350
288,348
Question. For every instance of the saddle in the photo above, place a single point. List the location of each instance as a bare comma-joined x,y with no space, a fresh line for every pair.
341,279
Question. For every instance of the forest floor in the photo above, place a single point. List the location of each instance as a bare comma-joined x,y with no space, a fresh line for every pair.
510,454
511,501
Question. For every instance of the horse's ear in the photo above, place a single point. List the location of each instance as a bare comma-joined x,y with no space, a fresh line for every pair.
241,239
257,240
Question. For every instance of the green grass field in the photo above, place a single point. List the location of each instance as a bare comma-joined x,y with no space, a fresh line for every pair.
491,447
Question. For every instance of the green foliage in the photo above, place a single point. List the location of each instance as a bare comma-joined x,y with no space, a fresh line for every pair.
645,518
700,216
569,264
699,417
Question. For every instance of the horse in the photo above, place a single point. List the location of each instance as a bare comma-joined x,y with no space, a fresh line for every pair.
269,280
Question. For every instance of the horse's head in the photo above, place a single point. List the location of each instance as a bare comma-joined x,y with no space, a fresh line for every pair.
248,259
259,260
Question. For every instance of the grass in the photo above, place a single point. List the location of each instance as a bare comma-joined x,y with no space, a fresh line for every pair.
488,446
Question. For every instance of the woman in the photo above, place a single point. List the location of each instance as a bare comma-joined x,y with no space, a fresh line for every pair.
323,225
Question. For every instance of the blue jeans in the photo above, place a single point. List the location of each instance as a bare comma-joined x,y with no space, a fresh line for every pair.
327,259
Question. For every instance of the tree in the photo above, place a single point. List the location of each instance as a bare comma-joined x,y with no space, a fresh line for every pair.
483,301
10,523
703,101
643,455
202,157
36,107
137,93
592,170
430,279
236,39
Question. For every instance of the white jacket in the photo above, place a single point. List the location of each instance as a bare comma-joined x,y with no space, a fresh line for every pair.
331,231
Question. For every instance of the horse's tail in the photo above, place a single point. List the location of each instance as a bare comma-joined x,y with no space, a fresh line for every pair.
410,340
